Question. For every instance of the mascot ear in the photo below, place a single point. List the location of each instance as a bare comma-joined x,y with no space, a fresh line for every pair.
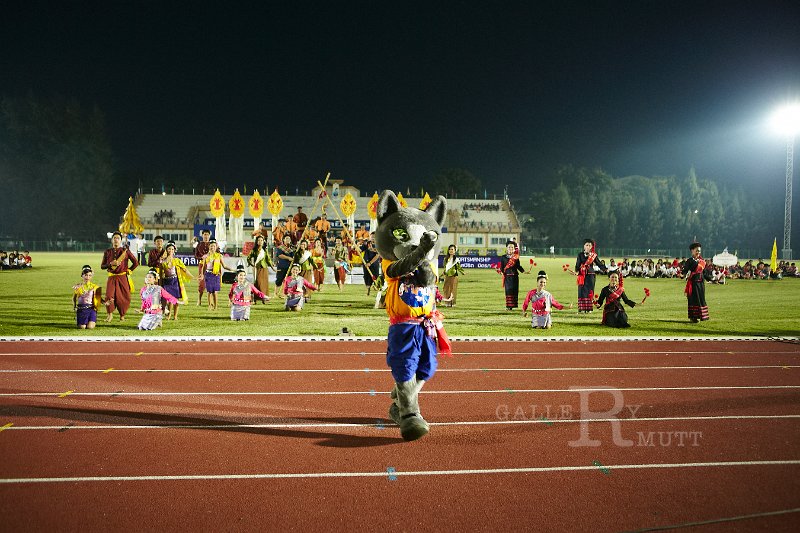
438,209
387,204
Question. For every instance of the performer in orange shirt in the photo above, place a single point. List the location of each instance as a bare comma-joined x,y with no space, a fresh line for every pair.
291,228
323,227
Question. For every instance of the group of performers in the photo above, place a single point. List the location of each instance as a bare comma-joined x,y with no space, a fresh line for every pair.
301,269
611,297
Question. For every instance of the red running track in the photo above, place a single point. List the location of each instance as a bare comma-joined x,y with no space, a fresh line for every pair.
294,435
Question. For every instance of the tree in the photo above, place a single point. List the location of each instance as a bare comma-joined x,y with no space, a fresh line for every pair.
57,166
456,183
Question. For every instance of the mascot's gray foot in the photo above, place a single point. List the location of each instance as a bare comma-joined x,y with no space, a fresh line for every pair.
394,413
413,427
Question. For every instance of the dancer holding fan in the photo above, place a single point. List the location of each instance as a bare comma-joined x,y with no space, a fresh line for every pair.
695,284
584,270
611,298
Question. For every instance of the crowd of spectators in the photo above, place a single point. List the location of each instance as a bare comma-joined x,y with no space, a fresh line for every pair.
480,207
762,270
673,268
164,217
14,260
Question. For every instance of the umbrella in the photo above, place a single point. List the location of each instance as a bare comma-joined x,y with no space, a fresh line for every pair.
725,259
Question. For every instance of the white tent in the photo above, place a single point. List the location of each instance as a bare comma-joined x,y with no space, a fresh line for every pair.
725,259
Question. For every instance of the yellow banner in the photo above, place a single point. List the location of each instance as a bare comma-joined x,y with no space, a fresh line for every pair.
372,207
217,204
275,203
426,200
256,205
348,205
236,205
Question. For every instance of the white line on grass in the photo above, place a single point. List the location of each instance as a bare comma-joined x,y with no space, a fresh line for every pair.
383,473
383,424
374,393
364,370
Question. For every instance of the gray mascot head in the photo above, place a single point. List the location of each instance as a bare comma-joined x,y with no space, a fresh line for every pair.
409,237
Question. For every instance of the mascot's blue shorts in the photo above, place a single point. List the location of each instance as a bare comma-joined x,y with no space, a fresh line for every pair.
411,352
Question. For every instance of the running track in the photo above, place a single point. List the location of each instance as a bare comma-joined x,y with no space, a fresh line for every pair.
246,435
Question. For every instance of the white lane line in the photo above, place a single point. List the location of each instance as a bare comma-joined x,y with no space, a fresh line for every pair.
383,353
357,339
383,473
716,520
363,370
383,424
374,393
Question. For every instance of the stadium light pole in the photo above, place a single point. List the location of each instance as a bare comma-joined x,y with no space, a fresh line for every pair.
786,121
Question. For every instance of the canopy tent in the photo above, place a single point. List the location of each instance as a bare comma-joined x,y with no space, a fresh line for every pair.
725,259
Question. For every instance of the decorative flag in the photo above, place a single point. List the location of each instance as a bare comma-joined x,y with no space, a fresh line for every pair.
275,206
426,200
773,260
348,207
236,206
372,209
217,204
256,207
402,200
130,220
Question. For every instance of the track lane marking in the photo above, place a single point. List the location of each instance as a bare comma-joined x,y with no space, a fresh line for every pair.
455,353
383,473
380,424
372,392
385,370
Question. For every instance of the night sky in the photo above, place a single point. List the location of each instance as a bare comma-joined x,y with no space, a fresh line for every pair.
385,94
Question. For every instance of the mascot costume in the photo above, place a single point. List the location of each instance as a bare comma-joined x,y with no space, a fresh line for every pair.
408,241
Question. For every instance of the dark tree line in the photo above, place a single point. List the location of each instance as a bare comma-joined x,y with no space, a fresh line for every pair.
56,170
657,212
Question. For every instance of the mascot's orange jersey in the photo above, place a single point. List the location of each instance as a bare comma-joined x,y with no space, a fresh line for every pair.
406,300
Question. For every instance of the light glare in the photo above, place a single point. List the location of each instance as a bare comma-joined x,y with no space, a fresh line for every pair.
786,120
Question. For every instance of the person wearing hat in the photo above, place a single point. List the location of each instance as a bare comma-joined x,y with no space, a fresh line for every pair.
152,295
241,296
119,262
510,268
86,299
173,274
585,271
200,250
695,284
541,303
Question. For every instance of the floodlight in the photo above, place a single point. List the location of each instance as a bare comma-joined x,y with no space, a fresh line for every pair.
786,120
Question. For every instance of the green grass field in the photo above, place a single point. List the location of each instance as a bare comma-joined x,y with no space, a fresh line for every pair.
38,302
